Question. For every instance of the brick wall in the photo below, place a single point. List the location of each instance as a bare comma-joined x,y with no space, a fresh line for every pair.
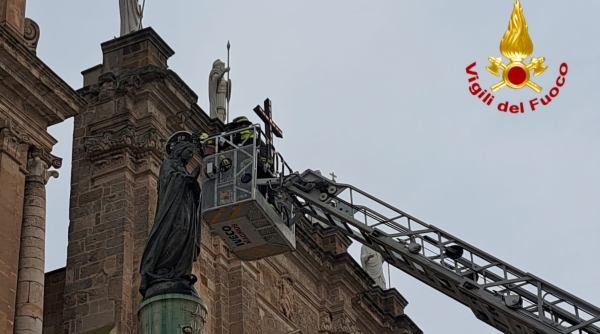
297,290
54,301
12,184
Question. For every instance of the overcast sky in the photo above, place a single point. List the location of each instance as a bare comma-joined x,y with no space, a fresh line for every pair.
377,92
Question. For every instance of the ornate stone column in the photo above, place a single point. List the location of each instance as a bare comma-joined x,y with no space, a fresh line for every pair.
30,281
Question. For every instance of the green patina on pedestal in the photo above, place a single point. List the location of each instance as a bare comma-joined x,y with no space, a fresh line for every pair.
172,314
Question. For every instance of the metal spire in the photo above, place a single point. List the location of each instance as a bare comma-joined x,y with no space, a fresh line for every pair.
228,81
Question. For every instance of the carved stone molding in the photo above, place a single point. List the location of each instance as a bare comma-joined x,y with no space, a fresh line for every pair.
125,139
32,34
345,325
111,86
125,148
15,131
286,296
14,140
325,322
128,85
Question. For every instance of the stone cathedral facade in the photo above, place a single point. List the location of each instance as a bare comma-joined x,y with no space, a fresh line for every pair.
128,106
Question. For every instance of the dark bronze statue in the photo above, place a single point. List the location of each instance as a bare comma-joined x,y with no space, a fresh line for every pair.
174,242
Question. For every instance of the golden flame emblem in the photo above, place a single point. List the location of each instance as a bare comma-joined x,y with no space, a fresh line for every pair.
516,45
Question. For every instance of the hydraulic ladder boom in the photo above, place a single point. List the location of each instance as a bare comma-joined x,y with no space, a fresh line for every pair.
510,300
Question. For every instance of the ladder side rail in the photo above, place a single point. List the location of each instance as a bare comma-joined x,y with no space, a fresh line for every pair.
409,263
538,300
281,166
488,257
558,292
501,281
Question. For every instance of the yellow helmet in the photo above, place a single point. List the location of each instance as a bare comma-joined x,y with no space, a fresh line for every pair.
241,119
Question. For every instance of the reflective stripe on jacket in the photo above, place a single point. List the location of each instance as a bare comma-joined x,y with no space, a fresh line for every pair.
245,134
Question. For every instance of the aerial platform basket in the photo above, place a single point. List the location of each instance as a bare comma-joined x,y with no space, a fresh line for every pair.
233,206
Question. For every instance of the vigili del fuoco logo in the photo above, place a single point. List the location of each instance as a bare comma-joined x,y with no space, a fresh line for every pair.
516,45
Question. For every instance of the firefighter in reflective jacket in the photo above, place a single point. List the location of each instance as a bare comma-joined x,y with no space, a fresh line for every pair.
209,145
246,137
243,137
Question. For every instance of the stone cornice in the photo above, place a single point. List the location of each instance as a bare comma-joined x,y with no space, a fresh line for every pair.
183,87
65,101
91,69
406,322
37,136
146,33
375,292
373,307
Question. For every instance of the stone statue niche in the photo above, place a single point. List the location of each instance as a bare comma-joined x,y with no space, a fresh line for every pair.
372,263
174,241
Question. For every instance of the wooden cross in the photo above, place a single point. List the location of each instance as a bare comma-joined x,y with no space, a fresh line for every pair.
266,115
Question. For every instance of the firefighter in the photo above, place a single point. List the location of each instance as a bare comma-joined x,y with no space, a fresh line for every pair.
207,147
239,122
246,137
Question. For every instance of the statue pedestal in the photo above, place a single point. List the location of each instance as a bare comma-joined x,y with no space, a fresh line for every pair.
172,314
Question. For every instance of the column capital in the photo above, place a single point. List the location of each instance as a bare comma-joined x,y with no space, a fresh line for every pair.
38,170
18,144
45,155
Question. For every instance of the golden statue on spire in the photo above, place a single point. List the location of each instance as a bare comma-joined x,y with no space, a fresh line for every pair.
516,45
